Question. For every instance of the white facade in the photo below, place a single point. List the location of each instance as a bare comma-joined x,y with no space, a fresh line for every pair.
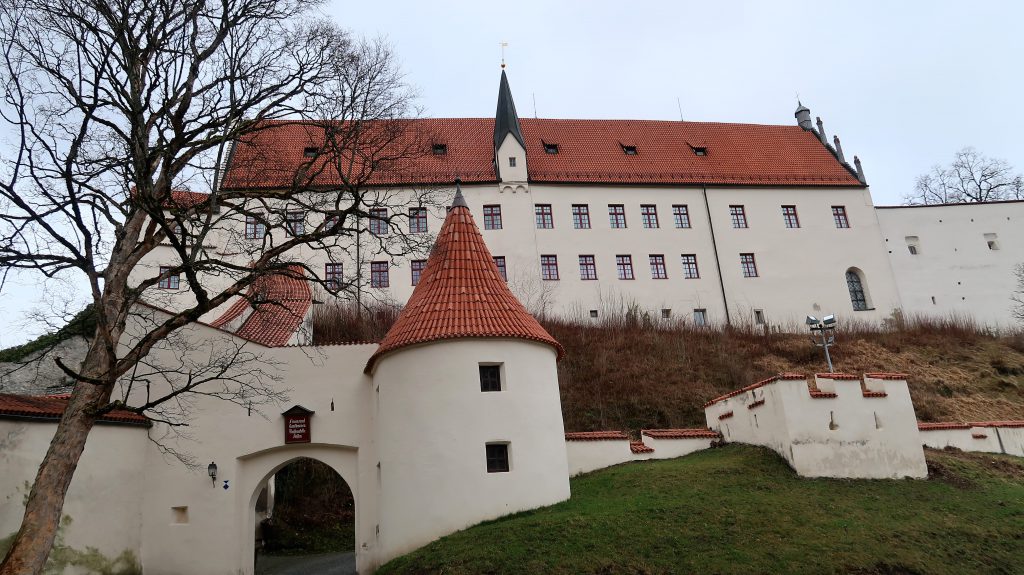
1005,437
844,428
957,259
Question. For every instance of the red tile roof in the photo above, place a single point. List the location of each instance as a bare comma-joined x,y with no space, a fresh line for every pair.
967,425
461,295
755,404
839,376
595,435
52,407
890,376
589,151
753,386
679,433
639,447
285,298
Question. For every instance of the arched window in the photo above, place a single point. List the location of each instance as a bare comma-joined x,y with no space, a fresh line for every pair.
855,284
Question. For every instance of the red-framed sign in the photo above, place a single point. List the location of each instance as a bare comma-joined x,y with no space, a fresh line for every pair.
297,425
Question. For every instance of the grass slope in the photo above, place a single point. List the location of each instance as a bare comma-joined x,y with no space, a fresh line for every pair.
740,509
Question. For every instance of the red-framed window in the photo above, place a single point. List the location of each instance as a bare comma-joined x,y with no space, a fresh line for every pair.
379,277
417,220
588,269
171,281
549,267
544,219
649,215
624,267
295,222
681,215
581,216
738,216
500,262
839,216
748,265
658,271
789,217
332,223
617,215
492,217
379,221
690,270
255,229
334,276
417,270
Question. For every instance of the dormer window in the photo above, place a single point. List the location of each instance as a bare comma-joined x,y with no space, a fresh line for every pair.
628,150
699,150
512,161
440,149
310,151
550,148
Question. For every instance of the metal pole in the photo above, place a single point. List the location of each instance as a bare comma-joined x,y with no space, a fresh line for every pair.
828,357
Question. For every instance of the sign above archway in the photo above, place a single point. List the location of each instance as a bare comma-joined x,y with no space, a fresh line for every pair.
297,425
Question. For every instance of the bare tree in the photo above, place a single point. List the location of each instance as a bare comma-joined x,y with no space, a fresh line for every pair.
117,106
971,177
1018,295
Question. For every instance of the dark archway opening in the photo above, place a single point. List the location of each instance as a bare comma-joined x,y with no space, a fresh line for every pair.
305,516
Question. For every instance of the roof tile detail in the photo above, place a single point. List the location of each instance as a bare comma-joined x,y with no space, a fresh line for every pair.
279,303
680,433
966,425
639,447
52,407
786,376
889,376
461,295
595,435
589,151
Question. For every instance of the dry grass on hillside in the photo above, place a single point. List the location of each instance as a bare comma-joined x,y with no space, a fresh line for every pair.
628,372
627,375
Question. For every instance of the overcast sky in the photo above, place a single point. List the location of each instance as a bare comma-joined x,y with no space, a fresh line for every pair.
903,84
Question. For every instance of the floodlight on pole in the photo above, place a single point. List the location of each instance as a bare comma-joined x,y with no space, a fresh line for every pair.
826,330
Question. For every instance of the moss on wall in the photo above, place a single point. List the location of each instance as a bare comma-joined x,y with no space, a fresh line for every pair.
91,560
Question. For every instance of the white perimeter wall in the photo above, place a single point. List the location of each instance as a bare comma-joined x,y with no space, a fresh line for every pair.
848,435
432,426
954,264
103,509
984,438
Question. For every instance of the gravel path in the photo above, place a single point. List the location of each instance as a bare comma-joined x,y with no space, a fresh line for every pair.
320,564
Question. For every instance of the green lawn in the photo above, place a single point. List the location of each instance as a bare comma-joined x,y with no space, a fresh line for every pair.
740,509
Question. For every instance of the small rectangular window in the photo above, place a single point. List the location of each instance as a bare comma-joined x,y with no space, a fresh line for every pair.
500,262
171,281
581,216
550,148
295,222
544,219
379,221
334,276
310,151
681,215
839,217
497,458
379,275
512,162
738,216
666,313
588,270
658,271
700,317
700,151
549,267
789,217
624,267
749,265
492,217
593,313
490,377
617,215
417,270
417,220
913,245
179,515
992,240
690,270
440,149
759,316
649,216
255,229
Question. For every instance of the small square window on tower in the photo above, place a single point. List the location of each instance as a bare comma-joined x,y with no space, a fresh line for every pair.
497,458
490,377
512,161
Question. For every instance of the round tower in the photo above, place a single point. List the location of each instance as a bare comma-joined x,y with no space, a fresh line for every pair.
468,424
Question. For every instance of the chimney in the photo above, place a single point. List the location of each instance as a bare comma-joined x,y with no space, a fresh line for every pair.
803,116
839,149
860,170
821,132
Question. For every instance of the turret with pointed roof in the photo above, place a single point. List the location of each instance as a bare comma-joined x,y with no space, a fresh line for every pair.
461,294
506,121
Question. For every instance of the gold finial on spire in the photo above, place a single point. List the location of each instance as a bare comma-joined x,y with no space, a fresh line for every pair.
503,46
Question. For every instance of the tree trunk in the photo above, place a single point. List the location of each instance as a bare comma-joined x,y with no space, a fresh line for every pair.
32,545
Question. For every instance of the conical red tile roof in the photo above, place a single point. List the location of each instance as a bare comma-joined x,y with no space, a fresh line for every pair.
461,295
